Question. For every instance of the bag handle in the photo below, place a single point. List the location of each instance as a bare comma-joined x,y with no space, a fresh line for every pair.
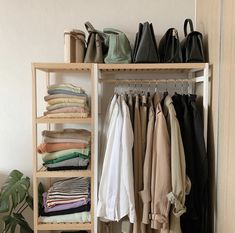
89,27
112,30
186,22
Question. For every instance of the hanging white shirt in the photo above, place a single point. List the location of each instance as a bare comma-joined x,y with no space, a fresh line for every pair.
109,182
105,130
116,191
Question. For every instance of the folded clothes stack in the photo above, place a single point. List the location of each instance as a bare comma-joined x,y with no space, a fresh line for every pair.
67,199
66,100
66,149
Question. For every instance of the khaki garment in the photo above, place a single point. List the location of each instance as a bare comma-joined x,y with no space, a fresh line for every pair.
178,169
138,167
146,192
143,121
161,174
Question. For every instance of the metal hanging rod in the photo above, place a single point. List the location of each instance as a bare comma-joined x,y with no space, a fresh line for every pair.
147,81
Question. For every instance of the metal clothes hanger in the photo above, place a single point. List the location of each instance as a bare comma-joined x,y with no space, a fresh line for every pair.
182,87
166,92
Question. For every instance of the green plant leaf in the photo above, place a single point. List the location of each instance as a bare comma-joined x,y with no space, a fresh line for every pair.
7,222
10,224
14,189
24,226
29,200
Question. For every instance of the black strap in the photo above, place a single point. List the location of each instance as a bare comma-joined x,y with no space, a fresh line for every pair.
89,27
186,25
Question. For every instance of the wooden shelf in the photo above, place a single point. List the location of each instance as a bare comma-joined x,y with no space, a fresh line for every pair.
46,120
62,67
64,226
175,67
65,173
69,67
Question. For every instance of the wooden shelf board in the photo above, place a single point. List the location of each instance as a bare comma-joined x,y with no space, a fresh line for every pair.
62,67
64,226
176,67
45,120
65,173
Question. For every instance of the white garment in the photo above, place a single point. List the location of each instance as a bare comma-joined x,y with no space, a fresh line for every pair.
116,191
127,180
109,182
105,130
107,121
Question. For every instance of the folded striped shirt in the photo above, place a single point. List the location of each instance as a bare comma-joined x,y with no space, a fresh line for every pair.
68,191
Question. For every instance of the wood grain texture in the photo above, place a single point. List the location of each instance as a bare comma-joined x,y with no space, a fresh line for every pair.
219,25
209,25
226,159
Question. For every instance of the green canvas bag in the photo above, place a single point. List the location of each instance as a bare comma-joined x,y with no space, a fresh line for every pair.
119,48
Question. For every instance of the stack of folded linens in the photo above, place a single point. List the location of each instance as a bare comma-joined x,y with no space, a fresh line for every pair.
66,100
66,149
67,201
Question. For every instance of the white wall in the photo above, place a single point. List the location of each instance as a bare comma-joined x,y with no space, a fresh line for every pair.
32,31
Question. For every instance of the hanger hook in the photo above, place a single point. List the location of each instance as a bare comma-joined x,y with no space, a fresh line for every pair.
149,86
188,87
156,89
182,87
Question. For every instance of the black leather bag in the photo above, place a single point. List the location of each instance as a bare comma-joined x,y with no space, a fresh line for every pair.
169,47
145,47
192,44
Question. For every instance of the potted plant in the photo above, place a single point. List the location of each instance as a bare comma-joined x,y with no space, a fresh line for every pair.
14,199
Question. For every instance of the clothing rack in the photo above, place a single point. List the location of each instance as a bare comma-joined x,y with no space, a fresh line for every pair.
194,76
148,81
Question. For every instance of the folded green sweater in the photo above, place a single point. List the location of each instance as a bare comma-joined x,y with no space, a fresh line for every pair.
56,155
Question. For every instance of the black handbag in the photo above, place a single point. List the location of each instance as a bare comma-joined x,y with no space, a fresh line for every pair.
145,47
192,44
170,48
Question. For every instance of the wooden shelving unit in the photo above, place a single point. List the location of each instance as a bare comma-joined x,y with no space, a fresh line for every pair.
198,72
42,173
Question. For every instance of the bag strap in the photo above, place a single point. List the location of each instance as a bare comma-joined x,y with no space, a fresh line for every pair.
186,22
89,27
112,30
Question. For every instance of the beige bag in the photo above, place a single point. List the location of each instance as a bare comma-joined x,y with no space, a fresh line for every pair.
74,46
94,52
